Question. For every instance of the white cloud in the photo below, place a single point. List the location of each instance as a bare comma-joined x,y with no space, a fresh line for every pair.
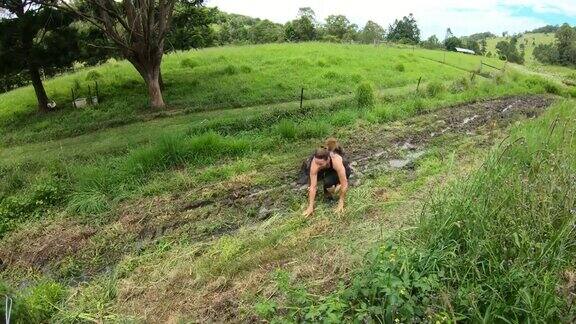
463,17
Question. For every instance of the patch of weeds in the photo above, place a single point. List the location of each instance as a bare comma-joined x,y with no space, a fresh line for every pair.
30,204
331,75
230,69
356,77
435,88
460,85
189,63
93,75
343,118
35,304
552,88
365,95
400,67
286,129
385,113
313,129
245,69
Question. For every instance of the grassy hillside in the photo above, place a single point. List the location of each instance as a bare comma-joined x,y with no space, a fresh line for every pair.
193,211
219,78
531,40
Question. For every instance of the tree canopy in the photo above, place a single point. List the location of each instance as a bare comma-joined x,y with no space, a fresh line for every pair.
404,31
35,39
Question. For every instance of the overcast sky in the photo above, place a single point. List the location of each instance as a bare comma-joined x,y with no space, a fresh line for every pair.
464,17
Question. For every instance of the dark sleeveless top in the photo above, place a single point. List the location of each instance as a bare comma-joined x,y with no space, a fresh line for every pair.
326,172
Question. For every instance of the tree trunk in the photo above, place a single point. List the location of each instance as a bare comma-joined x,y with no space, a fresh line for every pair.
161,80
154,92
39,89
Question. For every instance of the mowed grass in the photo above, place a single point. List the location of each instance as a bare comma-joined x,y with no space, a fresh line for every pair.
218,78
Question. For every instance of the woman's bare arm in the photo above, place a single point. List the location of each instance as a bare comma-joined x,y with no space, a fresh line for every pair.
338,165
312,190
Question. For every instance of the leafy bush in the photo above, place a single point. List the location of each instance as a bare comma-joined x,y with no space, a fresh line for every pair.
434,88
365,95
400,67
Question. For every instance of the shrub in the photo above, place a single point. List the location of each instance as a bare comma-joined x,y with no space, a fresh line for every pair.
93,75
188,63
286,129
365,95
399,67
434,88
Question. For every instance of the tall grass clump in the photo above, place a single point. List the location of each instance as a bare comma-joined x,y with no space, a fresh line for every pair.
188,63
497,247
286,129
365,95
34,304
343,117
434,88
313,129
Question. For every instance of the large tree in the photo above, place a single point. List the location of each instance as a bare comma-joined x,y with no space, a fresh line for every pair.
138,28
191,26
372,32
404,31
35,39
340,28
566,44
303,28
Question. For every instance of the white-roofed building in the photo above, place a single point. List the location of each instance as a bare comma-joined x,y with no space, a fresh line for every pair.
465,50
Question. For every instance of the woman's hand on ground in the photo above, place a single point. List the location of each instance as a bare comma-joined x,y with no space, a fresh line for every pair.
309,211
340,208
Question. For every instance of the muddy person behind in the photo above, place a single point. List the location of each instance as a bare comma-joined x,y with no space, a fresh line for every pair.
328,165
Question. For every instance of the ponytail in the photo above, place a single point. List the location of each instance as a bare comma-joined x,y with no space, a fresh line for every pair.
332,145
